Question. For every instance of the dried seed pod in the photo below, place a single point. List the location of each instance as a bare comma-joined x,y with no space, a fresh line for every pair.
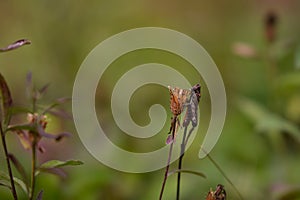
271,21
178,99
219,194
210,195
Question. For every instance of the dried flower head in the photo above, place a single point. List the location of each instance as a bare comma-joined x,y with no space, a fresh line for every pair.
218,194
178,98
33,131
271,21
30,137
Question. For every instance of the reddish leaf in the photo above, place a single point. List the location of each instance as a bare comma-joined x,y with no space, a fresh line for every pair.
40,195
18,166
61,113
15,45
44,89
57,103
5,100
57,137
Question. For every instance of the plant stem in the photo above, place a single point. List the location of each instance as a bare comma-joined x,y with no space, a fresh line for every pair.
33,167
224,175
173,125
180,163
13,189
167,171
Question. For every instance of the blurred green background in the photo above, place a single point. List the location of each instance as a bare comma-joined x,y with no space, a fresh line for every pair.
259,147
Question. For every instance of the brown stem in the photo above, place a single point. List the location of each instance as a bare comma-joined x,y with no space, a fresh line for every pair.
13,189
223,174
33,167
180,162
173,127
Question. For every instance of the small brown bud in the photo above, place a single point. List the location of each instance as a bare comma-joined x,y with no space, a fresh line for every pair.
271,21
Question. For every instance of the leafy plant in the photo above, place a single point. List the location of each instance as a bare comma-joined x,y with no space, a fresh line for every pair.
29,133
278,119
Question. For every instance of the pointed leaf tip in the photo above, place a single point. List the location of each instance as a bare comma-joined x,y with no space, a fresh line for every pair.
15,45
57,163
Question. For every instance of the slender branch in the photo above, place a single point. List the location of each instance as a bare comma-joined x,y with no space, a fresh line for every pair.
34,104
33,168
189,135
173,126
183,143
188,172
223,174
13,189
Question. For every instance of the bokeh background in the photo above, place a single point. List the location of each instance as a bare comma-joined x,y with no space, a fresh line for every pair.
259,61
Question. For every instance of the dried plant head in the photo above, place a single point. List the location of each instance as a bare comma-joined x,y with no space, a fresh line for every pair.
218,194
210,195
178,98
271,21
191,114
197,90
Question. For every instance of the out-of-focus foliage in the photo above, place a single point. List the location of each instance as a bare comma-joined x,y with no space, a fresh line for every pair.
262,166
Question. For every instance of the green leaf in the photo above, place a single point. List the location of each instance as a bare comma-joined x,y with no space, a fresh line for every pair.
6,184
297,57
287,83
18,182
56,103
266,121
54,171
188,172
18,166
5,100
57,163
287,192
53,166
19,110
20,127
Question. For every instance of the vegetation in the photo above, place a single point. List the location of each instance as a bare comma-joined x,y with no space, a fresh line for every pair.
256,47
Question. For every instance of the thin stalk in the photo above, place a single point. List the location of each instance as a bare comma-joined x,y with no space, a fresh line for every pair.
33,168
34,104
180,163
169,158
189,135
13,189
224,175
272,74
